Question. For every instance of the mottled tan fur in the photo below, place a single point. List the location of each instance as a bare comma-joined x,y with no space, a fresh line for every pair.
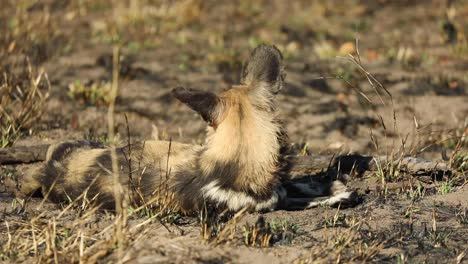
236,167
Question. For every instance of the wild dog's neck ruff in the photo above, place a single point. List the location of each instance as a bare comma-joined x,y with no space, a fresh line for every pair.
245,142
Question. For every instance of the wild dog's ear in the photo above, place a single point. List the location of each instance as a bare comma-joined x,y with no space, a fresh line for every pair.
207,104
264,69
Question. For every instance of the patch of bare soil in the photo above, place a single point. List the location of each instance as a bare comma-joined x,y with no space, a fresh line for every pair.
417,105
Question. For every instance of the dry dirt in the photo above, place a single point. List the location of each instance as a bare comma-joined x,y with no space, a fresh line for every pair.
403,44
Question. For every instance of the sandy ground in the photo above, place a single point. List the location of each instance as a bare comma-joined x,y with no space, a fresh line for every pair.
201,45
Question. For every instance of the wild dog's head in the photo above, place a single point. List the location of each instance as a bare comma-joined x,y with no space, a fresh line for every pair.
241,149
262,77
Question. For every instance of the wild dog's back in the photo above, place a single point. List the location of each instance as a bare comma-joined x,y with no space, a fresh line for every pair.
82,169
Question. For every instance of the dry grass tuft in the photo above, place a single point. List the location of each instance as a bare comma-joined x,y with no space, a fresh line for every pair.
97,94
162,205
223,228
266,233
348,245
69,235
22,100
219,228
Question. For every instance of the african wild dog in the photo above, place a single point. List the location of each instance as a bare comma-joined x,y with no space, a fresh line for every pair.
237,166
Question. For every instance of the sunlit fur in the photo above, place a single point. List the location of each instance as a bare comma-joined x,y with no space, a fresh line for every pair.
236,167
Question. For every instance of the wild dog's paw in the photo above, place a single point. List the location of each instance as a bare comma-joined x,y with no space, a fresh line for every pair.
344,199
341,195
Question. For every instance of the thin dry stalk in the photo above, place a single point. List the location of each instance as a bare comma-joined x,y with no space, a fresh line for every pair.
121,217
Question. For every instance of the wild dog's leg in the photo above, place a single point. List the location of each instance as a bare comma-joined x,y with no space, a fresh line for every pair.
344,199
307,189
274,202
319,194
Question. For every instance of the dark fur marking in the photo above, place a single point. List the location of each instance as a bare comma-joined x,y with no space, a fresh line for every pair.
64,149
188,183
264,65
203,102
